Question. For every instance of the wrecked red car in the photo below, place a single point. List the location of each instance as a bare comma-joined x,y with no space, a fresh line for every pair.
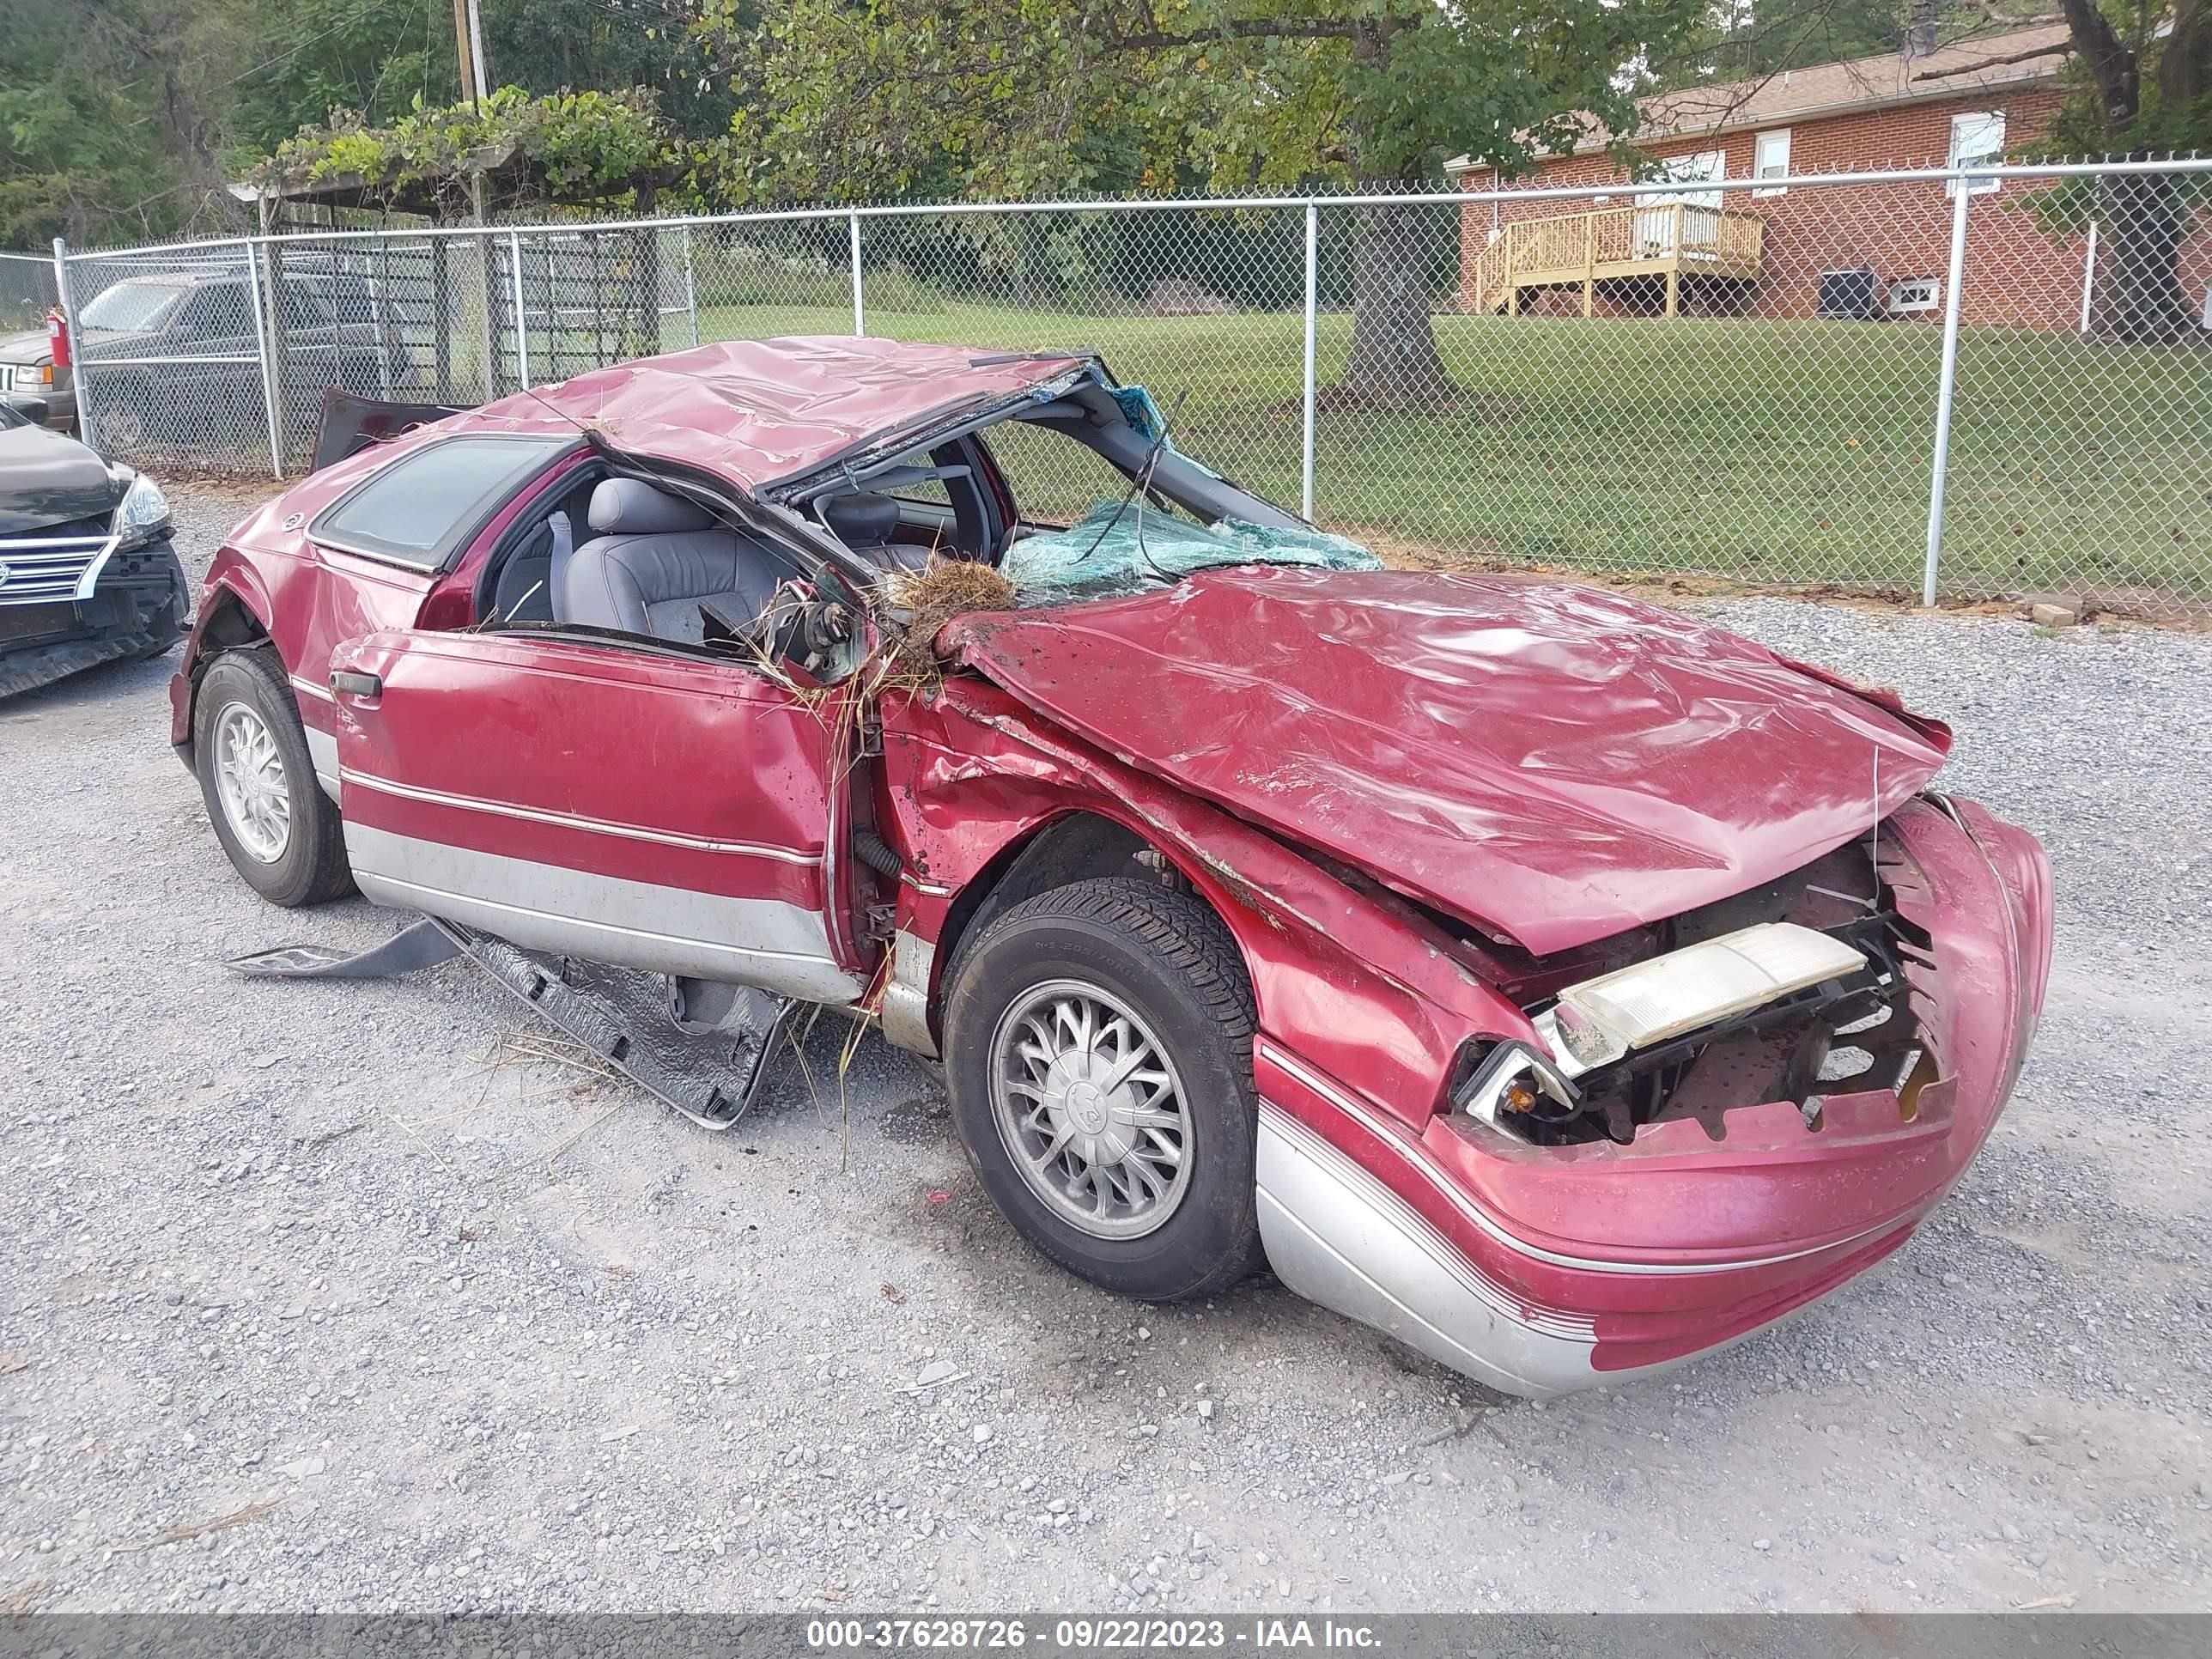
1563,985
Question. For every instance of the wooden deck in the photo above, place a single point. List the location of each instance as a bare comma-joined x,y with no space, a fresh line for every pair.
1666,239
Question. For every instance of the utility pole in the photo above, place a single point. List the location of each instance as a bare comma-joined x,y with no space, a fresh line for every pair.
468,46
468,42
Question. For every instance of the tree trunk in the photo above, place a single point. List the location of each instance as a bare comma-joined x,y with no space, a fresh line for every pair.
2139,295
1394,363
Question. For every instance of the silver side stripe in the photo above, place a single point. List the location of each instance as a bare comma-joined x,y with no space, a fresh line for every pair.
1394,1139
570,821
1362,1189
310,689
542,907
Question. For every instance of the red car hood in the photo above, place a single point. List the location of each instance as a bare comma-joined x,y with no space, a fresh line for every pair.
1553,763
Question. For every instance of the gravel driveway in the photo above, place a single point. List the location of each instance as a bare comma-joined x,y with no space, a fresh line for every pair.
331,1296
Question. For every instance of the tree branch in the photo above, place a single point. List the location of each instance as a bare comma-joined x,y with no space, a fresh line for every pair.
1287,28
2061,49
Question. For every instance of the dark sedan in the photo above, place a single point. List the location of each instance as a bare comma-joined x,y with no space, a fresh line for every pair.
87,573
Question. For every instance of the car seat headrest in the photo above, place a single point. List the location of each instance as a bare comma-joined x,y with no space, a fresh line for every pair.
628,507
862,520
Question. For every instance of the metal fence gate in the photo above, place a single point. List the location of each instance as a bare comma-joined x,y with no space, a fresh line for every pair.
1960,384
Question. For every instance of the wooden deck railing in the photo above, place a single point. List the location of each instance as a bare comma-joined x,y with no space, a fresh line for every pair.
1657,237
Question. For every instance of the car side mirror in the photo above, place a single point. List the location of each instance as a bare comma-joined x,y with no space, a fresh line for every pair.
33,409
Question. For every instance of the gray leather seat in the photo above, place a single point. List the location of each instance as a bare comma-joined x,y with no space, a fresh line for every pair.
656,556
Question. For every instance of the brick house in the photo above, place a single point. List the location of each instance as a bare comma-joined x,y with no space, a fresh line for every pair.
1661,246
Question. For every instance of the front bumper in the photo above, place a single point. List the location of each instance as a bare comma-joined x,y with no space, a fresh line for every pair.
139,602
1541,1270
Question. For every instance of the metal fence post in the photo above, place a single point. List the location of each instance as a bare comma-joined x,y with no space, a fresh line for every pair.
2088,275
1306,393
860,312
268,388
521,323
1946,384
690,286
79,378
379,261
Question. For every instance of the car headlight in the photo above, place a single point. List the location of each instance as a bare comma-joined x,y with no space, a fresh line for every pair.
143,515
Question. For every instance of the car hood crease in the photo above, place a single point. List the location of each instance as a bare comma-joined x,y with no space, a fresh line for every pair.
1549,762
49,478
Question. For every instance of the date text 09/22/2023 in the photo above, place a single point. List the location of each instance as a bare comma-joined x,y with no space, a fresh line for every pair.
1085,1634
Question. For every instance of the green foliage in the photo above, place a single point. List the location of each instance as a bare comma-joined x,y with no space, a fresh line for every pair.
2171,44
122,120
1746,39
1053,97
569,147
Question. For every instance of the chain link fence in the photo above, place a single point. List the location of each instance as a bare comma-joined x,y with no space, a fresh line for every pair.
1961,385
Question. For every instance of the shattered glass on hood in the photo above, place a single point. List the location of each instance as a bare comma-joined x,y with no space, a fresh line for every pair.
1147,548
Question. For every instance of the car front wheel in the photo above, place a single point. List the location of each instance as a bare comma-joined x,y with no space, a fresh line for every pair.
282,832
1098,1050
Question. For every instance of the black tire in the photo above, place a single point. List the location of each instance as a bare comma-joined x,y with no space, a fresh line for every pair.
1169,959
312,868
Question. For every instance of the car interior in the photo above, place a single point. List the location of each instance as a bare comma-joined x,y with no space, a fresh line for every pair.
623,555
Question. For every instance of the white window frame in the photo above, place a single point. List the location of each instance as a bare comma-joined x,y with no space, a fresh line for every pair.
1964,124
1764,147
1933,299
1685,179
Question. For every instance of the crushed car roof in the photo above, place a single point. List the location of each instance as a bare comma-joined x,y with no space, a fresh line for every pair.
759,412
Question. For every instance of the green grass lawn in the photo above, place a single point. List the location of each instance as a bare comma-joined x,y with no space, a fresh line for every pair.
1792,452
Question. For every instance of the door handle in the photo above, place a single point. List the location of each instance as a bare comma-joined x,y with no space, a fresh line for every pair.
356,684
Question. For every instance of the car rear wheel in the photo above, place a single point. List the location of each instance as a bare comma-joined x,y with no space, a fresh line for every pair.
1098,1049
281,832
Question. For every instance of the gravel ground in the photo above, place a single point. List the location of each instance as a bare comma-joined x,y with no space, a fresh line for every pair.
314,1301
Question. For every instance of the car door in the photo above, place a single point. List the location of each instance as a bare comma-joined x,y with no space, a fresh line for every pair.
373,543
617,801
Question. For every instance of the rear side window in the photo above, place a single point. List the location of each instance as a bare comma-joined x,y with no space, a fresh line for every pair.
221,311
419,510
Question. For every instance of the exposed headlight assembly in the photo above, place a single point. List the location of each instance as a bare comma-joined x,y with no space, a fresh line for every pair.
1603,1019
143,515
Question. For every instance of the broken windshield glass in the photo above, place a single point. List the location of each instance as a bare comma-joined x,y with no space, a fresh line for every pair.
1143,547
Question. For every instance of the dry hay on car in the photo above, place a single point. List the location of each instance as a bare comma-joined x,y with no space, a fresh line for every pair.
933,596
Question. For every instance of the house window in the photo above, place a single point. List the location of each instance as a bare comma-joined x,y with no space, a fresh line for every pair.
1976,137
1916,294
1770,159
1705,167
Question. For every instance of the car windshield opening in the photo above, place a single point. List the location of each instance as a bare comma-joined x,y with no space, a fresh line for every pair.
1108,504
133,307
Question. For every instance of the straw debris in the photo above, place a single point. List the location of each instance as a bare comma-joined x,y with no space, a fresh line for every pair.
933,595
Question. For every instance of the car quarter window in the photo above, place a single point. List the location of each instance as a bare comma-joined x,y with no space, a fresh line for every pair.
301,307
420,510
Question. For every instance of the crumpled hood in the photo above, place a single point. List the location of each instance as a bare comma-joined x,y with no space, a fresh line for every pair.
1551,763
48,478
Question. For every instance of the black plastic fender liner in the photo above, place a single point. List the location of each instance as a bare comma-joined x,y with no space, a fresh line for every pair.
709,1071
421,944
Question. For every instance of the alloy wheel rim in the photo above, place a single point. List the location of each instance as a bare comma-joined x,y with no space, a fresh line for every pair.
1089,1106
249,781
